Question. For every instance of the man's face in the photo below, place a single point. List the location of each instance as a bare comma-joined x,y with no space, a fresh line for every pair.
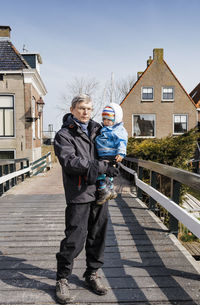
82,111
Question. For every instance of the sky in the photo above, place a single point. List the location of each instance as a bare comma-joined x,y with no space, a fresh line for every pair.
99,38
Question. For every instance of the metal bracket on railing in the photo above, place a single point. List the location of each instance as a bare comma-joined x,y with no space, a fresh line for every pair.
172,232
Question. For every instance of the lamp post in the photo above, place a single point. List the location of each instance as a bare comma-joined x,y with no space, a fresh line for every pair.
40,105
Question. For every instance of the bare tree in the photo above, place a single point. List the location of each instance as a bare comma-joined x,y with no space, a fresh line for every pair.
116,91
83,85
102,94
124,86
87,86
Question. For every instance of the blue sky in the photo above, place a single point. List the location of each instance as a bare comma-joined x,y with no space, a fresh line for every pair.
94,38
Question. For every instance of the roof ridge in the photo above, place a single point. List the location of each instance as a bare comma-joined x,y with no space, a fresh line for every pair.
179,83
171,73
137,81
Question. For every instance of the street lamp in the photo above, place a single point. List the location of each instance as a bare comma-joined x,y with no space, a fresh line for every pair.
40,105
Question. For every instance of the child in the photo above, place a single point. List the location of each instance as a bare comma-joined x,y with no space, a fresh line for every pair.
111,146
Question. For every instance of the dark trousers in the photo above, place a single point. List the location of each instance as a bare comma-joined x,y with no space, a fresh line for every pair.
86,223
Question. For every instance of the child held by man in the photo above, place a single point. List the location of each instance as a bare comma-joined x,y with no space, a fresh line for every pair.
111,146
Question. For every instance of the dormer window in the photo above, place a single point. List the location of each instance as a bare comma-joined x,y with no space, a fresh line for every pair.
147,94
168,94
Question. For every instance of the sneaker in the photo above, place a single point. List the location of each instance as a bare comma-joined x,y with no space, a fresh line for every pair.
94,283
103,195
113,194
62,291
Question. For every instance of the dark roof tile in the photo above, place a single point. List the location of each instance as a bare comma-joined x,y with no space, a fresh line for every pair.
10,58
195,94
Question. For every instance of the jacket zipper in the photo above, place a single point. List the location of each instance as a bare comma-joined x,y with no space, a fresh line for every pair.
79,180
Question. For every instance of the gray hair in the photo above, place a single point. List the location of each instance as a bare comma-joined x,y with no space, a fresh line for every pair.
80,98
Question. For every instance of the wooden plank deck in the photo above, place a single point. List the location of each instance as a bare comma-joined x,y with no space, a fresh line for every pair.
143,263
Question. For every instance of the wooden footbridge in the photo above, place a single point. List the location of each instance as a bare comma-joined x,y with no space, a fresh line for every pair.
144,263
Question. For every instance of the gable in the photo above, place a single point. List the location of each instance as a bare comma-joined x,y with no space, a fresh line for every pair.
146,101
158,74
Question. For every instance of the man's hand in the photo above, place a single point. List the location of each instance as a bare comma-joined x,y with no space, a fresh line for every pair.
118,158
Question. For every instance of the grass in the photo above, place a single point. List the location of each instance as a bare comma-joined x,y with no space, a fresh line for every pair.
188,237
46,149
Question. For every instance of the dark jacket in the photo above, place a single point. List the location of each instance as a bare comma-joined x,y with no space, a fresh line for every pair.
77,155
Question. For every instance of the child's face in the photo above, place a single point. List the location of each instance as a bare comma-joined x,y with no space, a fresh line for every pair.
108,122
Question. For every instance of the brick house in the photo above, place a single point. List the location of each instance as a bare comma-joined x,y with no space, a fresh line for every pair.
195,95
21,101
157,105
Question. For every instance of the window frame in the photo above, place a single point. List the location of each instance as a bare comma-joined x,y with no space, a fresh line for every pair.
11,108
39,127
33,114
144,137
168,99
9,149
180,114
147,99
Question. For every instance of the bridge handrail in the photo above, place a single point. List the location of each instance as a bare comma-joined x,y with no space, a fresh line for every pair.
178,174
10,174
12,161
41,164
170,204
14,174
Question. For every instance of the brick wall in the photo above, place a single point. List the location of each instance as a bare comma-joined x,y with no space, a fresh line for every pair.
158,75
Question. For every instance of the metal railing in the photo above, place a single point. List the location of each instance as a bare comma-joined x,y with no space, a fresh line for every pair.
12,172
15,171
40,165
178,177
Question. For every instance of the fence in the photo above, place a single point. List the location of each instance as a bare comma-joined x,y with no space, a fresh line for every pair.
14,171
38,166
177,178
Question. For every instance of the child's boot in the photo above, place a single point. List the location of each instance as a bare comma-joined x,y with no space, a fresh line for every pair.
113,194
110,185
103,195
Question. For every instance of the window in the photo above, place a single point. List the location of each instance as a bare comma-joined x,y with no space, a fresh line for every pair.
33,116
6,116
180,123
7,154
167,94
147,93
38,127
144,125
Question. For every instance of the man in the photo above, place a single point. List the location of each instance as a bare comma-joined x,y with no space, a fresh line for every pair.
84,220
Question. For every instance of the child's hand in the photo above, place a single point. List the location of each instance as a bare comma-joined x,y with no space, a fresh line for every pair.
118,158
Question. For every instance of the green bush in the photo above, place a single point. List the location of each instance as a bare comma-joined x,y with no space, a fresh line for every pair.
173,150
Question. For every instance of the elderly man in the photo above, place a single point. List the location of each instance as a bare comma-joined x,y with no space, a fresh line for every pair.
85,221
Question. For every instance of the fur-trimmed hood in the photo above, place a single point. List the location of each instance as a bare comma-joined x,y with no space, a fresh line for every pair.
118,112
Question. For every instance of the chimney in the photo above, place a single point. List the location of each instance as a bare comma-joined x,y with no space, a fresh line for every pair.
139,74
149,61
5,31
158,55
